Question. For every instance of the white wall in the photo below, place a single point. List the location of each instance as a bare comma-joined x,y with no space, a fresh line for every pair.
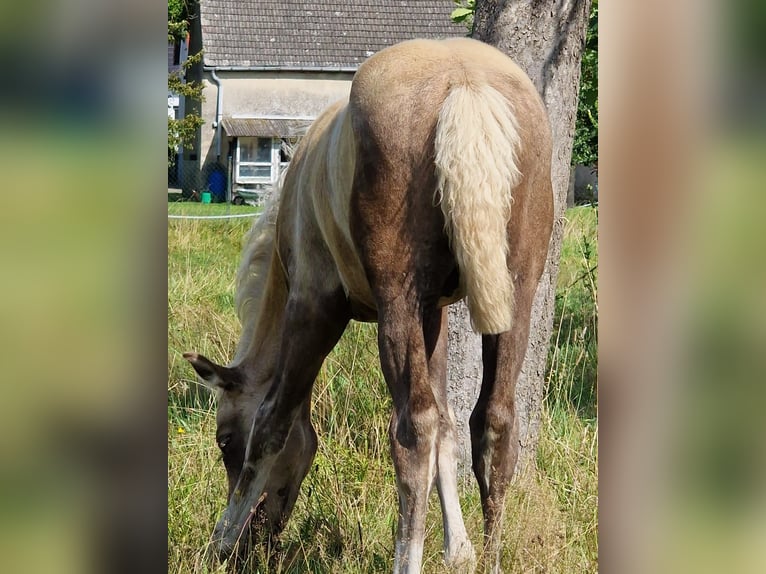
258,94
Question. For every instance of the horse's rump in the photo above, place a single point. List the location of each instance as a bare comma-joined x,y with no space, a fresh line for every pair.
444,130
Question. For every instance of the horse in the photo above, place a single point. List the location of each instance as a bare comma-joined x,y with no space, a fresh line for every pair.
429,184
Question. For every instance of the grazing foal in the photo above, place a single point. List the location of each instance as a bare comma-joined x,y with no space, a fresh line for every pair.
432,183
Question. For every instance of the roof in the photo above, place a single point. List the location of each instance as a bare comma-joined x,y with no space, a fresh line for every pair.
311,34
265,127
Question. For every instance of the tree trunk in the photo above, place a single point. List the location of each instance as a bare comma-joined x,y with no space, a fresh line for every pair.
546,39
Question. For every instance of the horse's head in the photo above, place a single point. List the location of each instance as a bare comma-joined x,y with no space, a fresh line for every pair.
259,499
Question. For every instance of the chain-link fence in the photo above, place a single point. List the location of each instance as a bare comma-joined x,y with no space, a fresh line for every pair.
226,180
188,181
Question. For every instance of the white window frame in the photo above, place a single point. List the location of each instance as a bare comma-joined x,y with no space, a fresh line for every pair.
273,165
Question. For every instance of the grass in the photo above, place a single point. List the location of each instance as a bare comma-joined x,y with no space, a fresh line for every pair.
573,359
196,208
345,517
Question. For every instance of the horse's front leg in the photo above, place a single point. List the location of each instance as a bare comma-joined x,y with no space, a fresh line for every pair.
312,327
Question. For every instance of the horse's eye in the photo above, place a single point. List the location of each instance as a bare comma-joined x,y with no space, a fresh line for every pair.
224,441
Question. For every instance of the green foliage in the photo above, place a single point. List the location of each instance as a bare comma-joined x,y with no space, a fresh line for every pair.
176,30
176,10
585,149
178,14
182,131
464,12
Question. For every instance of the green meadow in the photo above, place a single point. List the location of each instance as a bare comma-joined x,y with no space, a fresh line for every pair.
345,517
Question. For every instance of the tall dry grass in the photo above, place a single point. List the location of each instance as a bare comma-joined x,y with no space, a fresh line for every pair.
345,517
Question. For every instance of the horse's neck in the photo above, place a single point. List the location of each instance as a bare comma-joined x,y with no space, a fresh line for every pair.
261,298
261,334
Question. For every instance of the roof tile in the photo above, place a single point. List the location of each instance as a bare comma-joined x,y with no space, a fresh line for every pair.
303,33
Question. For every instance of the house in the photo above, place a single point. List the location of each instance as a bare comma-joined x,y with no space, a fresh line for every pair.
178,51
269,69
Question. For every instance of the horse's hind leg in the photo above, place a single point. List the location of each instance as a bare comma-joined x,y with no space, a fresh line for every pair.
458,550
414,423
494,426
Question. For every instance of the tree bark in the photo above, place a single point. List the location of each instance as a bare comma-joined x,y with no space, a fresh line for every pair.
463,378
546,39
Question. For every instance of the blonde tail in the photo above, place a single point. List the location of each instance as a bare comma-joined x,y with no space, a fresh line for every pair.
477,143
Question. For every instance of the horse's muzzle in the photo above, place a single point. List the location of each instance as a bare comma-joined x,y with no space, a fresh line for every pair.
228,542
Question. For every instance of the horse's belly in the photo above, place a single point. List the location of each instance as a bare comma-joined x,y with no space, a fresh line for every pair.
359,294
363,307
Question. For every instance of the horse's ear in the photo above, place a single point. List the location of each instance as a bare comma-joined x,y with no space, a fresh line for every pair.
214,375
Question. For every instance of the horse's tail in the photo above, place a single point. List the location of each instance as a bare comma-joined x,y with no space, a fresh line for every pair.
476,148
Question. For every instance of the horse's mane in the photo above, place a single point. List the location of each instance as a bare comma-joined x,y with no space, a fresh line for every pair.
253,272
255,265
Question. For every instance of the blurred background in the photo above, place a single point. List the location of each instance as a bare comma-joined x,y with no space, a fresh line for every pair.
83,416
82,244
683,278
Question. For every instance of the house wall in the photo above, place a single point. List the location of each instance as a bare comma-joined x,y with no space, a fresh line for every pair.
258,94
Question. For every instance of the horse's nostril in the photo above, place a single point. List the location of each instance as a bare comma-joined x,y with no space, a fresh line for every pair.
227,550
224,552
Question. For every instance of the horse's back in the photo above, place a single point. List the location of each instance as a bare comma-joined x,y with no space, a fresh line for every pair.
397,95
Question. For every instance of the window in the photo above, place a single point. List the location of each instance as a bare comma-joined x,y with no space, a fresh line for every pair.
261,161
257,160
